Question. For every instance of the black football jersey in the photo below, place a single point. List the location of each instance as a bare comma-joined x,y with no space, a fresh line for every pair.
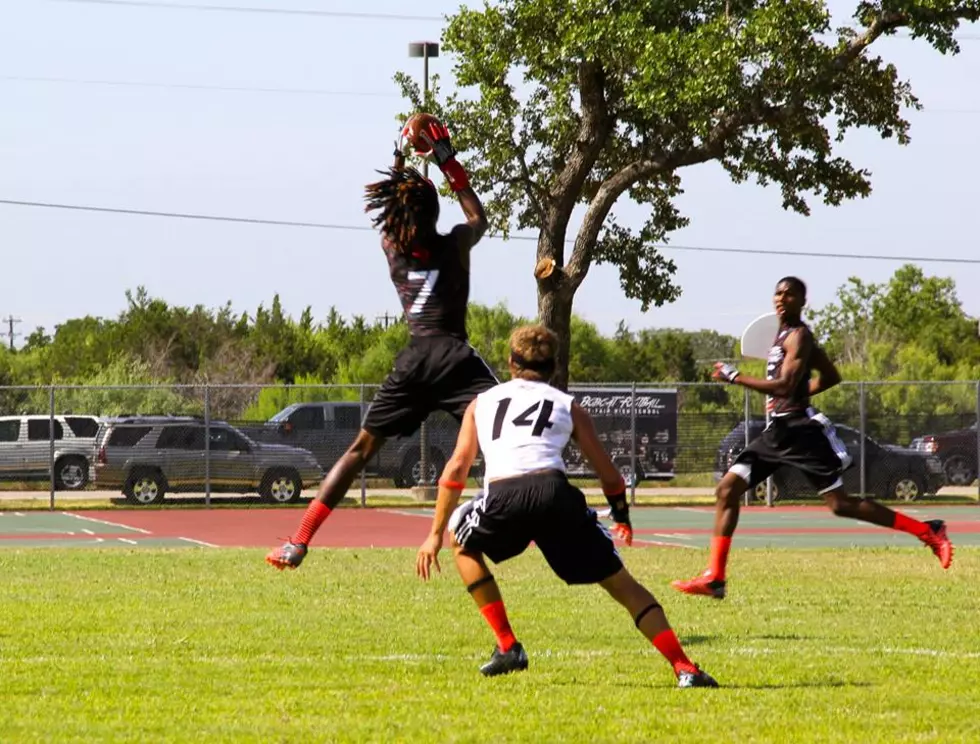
798,401
433,285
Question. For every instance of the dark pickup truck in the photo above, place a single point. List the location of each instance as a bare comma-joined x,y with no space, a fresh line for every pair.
327,429
956,450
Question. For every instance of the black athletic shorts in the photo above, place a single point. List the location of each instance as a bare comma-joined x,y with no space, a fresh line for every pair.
546,509
807,442
432,373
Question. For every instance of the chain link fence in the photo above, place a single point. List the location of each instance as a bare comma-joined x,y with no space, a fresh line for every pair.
211,444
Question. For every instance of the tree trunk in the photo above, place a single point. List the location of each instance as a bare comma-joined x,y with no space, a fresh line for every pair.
555,311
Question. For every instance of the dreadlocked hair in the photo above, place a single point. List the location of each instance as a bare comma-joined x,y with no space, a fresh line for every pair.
408,202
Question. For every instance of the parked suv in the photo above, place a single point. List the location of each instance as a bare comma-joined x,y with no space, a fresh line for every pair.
891,472
25,449
956,450
148,456
327,429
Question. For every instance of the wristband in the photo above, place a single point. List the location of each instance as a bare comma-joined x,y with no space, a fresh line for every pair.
452,484
454,173
616,496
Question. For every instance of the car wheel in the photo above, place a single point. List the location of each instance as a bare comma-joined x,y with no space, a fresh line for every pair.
281,486
759,492
906,488
958,471
145,487
411,471
71,473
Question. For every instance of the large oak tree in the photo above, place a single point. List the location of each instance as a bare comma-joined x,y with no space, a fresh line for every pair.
565,104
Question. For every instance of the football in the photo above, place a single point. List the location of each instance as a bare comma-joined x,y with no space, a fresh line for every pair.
416,124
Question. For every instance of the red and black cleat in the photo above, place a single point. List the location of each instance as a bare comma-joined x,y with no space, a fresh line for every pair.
289,555
703,585
939,541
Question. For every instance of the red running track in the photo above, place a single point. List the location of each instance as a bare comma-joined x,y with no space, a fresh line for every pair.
346,528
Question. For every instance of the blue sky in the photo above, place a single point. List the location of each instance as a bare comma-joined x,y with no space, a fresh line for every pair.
306,156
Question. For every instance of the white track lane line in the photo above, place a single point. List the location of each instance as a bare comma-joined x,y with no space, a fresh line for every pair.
105,521
197,542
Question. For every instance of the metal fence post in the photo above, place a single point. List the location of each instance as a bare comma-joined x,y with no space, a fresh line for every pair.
747,405
862,407
633,443
363,476
424,453
207,446
977,466
51,443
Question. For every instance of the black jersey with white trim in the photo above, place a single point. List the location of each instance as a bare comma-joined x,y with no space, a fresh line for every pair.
798,400
433,284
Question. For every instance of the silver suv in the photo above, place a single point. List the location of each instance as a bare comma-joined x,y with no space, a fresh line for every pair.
25,449
147,456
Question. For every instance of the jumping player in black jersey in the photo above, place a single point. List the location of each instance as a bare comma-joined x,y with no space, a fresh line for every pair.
438,370
800,437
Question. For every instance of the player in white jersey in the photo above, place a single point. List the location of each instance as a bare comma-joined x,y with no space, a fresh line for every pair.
523,426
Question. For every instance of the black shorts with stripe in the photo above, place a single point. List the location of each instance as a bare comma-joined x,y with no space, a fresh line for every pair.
807,442
543,508
432,373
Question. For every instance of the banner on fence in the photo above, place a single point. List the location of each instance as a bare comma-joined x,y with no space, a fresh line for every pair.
613,410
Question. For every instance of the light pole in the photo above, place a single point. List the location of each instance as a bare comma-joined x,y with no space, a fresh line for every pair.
426,50
424,491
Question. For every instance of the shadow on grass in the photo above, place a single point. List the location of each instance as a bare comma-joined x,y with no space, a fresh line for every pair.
641,683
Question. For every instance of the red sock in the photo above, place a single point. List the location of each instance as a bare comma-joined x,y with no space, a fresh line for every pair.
667,644
912,526
316,512
496,617
719,556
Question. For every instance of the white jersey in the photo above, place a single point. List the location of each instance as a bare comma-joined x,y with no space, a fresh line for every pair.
522,426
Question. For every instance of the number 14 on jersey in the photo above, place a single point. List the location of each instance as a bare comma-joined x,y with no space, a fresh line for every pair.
542,421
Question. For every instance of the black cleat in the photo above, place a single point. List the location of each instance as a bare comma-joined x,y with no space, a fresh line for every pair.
505,662
696,679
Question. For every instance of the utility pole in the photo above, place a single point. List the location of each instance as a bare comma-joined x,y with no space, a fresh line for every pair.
426,489
10,320
387,318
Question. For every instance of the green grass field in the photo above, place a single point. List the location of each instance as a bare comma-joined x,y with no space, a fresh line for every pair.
864,645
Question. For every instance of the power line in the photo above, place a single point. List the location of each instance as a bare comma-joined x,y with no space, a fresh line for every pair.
184,86
331,13
300,91
271,11
365,228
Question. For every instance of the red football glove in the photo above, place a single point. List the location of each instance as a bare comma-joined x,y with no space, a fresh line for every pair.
442,152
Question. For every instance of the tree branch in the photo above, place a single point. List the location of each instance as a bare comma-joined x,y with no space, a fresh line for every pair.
614,186
592,135
534,194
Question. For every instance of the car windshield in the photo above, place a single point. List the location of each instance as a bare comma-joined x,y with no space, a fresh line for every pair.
283,414
243,435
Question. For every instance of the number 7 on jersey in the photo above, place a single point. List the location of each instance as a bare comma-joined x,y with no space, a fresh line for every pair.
428,279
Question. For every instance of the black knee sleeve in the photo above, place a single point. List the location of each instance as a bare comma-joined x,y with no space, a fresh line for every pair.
480,582
640,615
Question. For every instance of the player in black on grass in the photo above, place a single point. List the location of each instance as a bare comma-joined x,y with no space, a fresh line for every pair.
522,427
438,370
800,437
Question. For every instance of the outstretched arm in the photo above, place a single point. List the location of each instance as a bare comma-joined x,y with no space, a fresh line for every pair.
469,233
450,487
613,486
